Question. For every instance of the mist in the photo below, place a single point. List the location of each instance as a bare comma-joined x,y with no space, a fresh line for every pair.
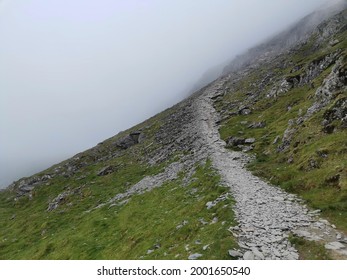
73,73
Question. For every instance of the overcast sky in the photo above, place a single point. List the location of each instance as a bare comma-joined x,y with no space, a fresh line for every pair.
74,72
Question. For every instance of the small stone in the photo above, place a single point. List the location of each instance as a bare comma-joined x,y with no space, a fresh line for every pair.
324,221
198,242
201,220
258,255
292,256
209,204
206,247
194,256
235,254
250,141
334,42
248,255
276,140
150,252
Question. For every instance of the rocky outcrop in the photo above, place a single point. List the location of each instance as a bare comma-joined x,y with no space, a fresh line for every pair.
332,85
106,170
129,140
64,198
26,186
337,112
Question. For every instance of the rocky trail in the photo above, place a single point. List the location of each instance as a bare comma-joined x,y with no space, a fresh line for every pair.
266,214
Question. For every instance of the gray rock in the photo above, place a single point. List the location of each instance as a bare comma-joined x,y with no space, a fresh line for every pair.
235,141
258,254
105,171
235,254
250,141
248,255
56,202
261,124
26,188
276,140
334,245
210,204
202,221
130,140
195,256
334,42
244,110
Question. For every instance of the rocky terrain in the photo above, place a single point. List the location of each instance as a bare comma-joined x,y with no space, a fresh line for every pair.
178,186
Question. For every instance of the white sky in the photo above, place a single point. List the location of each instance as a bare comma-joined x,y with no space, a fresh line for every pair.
74,72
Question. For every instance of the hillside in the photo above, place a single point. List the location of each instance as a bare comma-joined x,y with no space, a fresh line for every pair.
252,166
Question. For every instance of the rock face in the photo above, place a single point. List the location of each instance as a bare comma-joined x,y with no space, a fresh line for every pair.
336,81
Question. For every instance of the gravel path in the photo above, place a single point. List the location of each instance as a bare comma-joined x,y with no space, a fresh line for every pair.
266,214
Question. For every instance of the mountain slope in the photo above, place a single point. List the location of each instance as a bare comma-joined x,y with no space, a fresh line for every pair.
168,188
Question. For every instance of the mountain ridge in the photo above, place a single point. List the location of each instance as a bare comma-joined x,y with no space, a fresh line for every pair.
220,209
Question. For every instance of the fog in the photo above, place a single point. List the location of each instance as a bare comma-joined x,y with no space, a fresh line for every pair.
74,72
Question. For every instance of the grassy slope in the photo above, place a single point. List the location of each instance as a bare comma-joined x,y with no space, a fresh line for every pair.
29,231
309,141
121,232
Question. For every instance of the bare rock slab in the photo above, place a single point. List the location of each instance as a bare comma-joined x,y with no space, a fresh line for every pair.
334,246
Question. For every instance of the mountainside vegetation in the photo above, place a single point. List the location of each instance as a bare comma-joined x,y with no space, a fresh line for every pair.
295,106
150,192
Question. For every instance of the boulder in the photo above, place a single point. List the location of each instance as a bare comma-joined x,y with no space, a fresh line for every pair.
235,254
248,255
235,141
129,140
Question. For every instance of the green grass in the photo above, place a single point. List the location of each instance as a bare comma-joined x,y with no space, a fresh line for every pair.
121,232
292,169
309,250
